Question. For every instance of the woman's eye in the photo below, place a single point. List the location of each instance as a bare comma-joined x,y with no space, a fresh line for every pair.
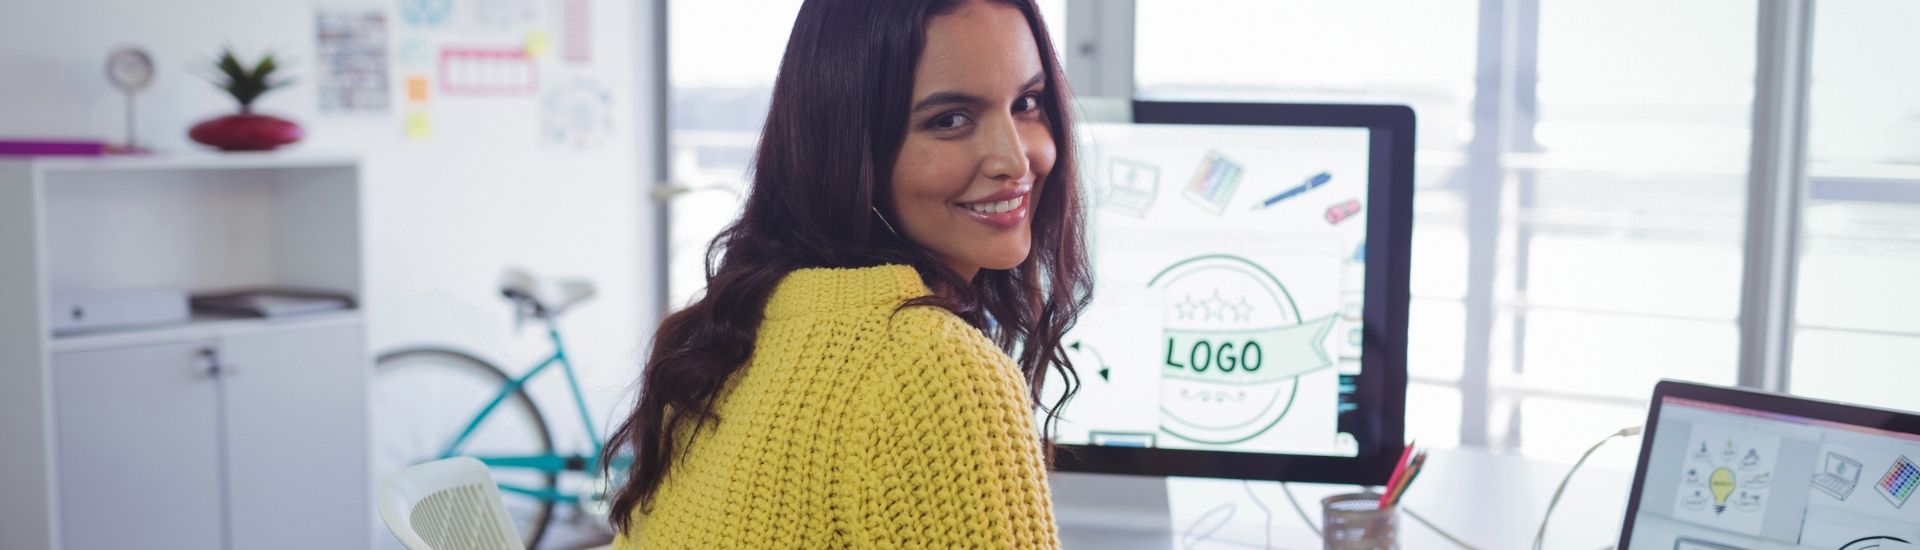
1026,103
949,121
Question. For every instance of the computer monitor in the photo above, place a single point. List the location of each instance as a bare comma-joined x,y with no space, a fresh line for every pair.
1250,310
1729,468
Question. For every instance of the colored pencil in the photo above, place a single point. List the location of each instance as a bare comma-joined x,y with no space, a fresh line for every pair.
1418,463
1399,467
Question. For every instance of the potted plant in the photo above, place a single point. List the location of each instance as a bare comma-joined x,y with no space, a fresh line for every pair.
246,131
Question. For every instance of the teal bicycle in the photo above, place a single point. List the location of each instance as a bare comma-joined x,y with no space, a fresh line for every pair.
434,402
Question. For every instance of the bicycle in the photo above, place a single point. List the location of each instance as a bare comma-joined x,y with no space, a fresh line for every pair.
422,393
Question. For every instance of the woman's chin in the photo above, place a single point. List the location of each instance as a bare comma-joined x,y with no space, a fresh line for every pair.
1003,262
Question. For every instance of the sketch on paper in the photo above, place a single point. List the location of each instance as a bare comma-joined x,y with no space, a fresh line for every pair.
1727,479
576,28
352,53
495,71
578,115
425,13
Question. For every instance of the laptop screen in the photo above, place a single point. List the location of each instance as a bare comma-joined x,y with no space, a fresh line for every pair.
1720,477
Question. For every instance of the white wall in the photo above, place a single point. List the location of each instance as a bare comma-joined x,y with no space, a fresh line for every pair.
443,215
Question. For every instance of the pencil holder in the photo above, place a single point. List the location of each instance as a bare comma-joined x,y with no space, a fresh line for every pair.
1355,521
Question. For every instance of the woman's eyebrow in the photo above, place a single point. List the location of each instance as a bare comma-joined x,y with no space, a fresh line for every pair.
942,99
1035,81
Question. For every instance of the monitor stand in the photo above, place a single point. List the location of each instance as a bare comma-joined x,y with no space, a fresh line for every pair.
1111,511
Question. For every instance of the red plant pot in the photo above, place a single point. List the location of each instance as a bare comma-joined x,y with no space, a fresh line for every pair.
246,132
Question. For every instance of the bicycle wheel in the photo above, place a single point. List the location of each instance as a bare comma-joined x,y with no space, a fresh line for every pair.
423,397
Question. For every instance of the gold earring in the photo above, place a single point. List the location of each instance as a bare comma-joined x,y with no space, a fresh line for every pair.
883,221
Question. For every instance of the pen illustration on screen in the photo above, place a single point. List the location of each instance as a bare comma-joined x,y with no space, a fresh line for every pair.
1235,347
1313,182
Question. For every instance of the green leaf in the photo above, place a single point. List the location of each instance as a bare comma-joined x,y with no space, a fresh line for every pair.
265,68
247,85
230,66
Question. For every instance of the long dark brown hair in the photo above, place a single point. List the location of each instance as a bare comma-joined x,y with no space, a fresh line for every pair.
836,124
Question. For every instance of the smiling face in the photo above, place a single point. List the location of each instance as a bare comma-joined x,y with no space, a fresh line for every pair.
978,146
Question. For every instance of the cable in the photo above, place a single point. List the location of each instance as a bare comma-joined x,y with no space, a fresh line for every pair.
1540,536
1268,512
1303,511
1191,539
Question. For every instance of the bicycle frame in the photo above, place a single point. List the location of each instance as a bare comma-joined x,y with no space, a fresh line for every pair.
548,463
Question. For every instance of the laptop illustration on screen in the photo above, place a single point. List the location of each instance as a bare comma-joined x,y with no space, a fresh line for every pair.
1841,475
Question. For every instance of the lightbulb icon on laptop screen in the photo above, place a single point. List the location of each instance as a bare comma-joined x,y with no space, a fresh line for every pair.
1722,484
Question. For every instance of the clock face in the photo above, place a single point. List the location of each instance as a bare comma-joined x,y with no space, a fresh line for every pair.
130,69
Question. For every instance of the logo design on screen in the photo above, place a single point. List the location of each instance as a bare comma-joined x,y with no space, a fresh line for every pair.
1235,347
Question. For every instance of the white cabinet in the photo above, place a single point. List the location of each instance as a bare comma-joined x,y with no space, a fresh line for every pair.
139,447
237,435
208,433
296,428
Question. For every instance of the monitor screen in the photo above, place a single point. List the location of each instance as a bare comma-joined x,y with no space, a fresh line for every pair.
1725,477
1235,312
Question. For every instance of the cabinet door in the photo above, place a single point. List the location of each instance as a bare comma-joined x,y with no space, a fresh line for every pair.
297,438
139,448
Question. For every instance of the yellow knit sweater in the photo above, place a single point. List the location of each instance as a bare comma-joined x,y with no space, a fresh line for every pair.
855,426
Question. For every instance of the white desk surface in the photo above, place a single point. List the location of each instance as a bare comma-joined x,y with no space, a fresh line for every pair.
1492,501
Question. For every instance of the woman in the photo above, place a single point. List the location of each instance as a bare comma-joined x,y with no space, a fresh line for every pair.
845,380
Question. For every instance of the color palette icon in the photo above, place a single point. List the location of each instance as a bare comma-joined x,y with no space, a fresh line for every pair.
1214,183
1900,482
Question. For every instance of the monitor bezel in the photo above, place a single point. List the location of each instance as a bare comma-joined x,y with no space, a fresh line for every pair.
1383,378
1816,409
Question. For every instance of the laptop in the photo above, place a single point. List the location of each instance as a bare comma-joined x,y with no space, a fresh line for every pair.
1735,469
1841,476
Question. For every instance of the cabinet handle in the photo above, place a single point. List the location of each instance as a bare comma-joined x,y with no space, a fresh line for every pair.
210,362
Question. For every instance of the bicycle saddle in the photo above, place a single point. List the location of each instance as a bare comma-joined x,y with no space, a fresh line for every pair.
547,297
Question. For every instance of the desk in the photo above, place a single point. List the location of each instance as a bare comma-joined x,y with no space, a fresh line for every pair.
1493,501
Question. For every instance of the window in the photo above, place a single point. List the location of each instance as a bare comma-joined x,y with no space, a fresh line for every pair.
1581,185
1414,52
1561,143
721,61
1622,214
722,58
1857,333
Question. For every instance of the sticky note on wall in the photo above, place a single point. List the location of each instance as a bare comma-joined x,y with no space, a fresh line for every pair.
418,126
417,89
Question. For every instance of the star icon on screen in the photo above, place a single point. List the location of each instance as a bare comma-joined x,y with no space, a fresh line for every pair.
1185,308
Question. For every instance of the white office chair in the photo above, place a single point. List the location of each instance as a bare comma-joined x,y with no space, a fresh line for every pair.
450,504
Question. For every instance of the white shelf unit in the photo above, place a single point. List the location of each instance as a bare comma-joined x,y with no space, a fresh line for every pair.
208,433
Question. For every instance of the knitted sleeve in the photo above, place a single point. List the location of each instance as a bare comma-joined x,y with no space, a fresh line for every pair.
951,458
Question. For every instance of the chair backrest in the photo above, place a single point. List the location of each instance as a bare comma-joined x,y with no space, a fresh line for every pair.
447,505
